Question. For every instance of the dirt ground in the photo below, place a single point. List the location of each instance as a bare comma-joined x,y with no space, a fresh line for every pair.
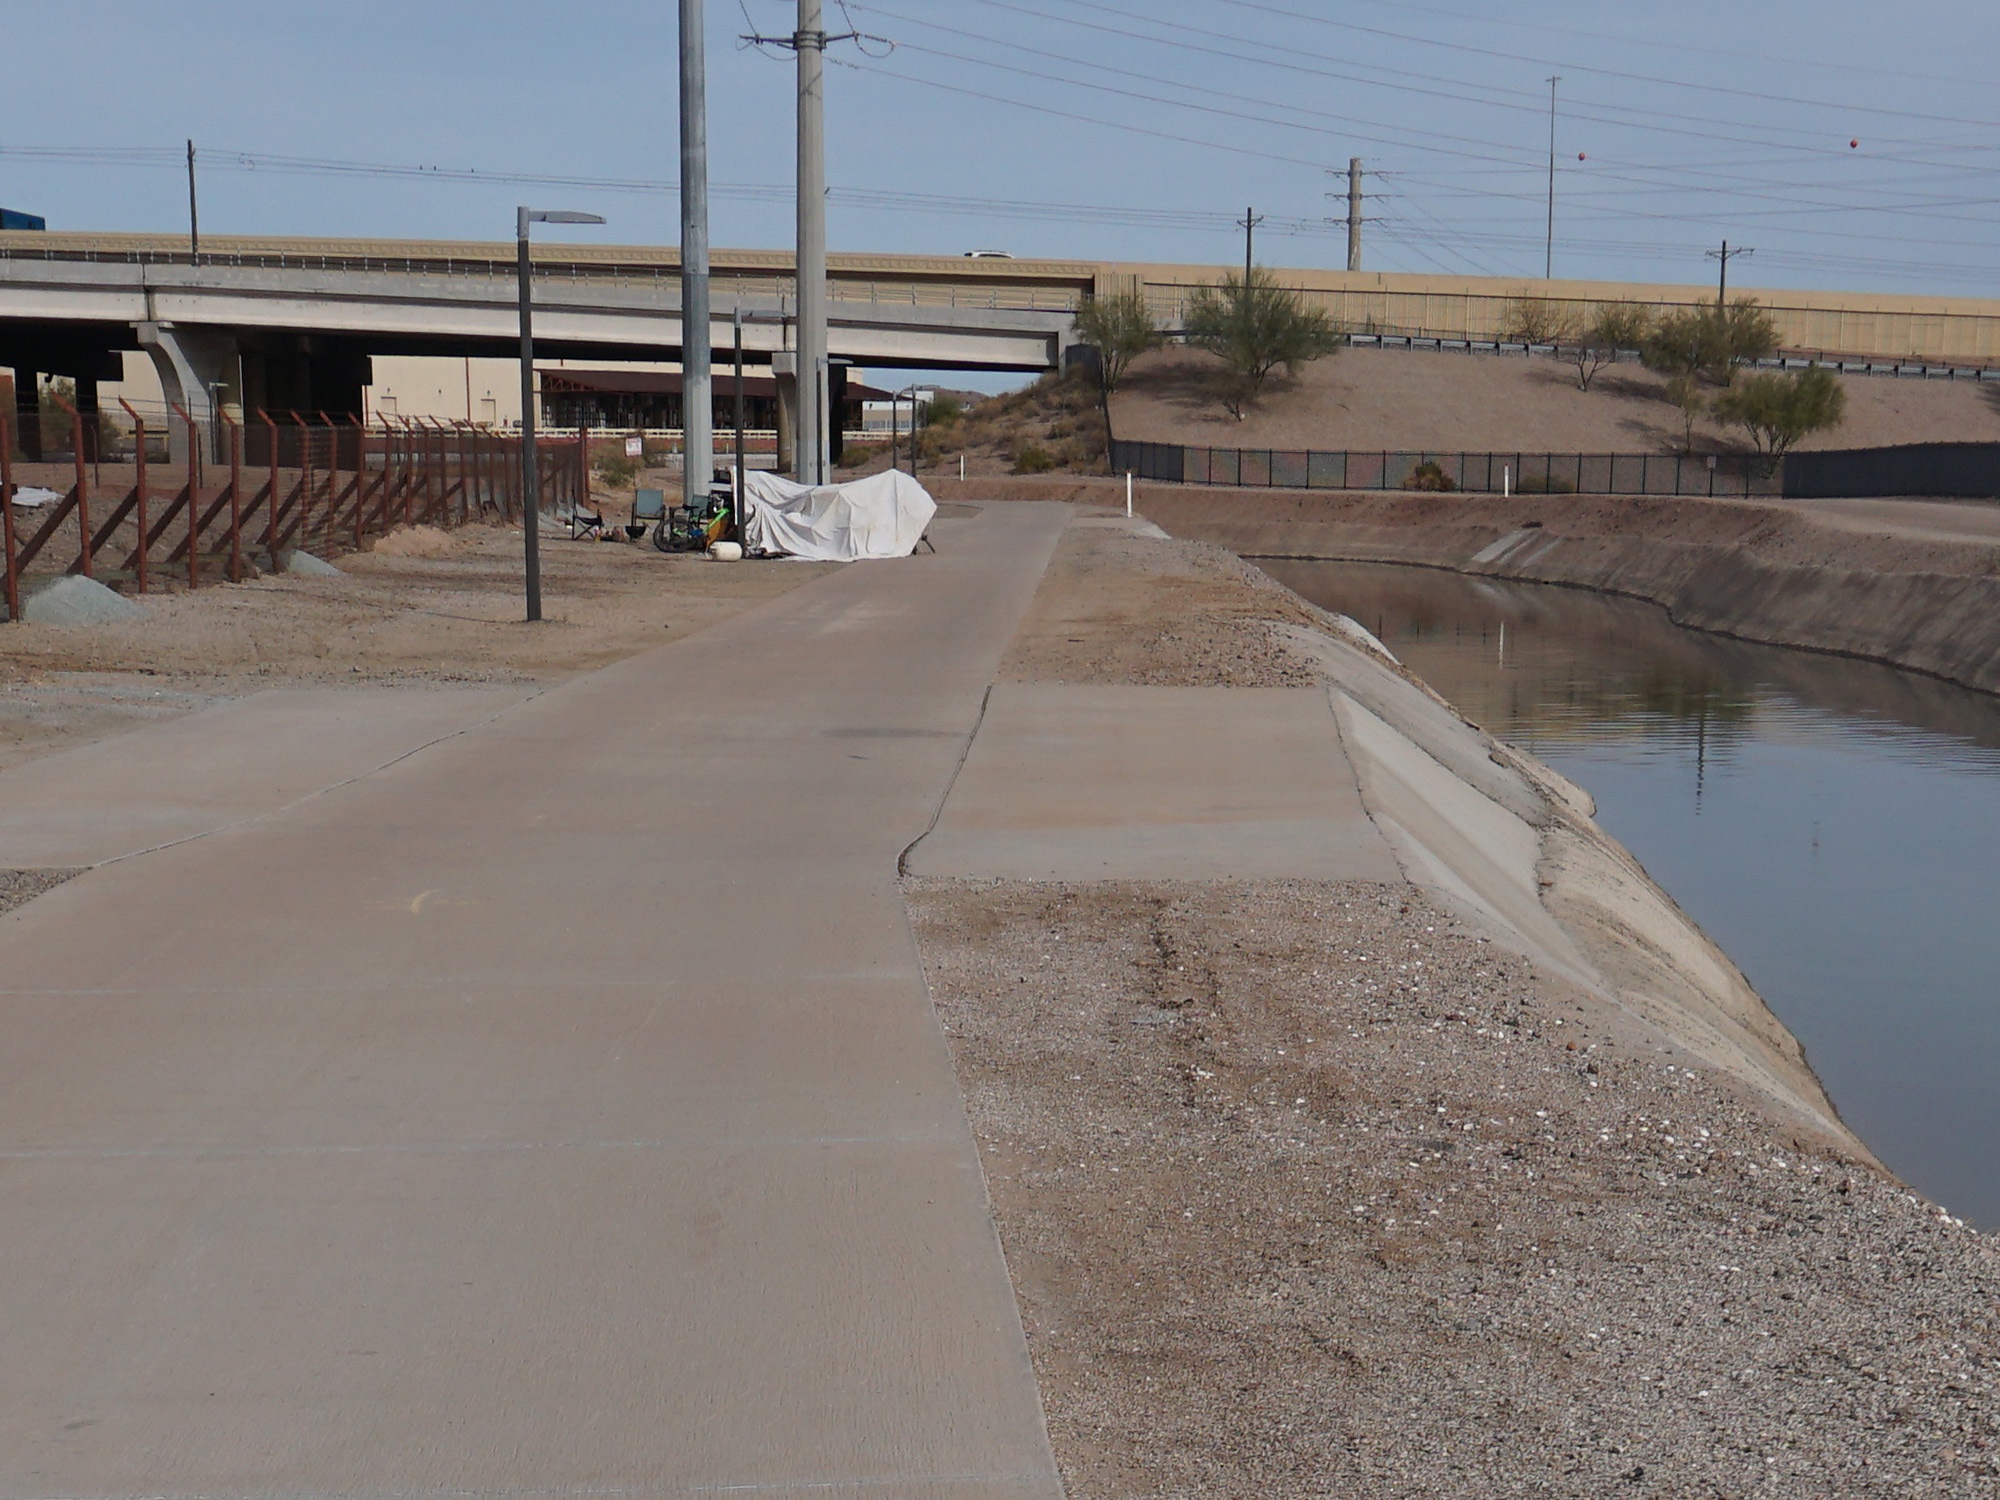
422,606
1112,610
1309,1190
1402,400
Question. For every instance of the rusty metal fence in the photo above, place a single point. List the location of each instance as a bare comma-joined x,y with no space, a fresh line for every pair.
1725,474
284,483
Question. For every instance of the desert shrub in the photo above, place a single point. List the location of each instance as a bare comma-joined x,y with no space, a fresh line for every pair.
942,410
615,470
854,455
1430,475
1034,460
1710,341
1121,328
1748,332
1255,327
1779,410
1544,484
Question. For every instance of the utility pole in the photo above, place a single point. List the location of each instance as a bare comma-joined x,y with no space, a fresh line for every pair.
1248,224
1354,213
194,219
809,42
1549,265
697,369
1722,286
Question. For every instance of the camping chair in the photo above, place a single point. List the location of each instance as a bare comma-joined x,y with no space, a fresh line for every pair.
583,523
648,508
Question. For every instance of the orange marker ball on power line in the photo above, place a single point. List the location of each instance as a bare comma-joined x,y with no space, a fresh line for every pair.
1854,145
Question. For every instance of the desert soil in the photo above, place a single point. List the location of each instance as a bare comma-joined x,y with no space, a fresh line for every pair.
1401,400
1308,1189
423,606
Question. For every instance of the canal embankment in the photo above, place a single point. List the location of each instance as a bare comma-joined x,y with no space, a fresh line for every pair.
1497,1178
1912,583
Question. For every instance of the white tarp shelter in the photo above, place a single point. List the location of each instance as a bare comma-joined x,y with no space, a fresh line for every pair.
880,516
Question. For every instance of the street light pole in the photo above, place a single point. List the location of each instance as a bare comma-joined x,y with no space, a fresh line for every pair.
1549,264
531,479
738,320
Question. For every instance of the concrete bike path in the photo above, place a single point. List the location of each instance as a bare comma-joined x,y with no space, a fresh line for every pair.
559,1110
150,787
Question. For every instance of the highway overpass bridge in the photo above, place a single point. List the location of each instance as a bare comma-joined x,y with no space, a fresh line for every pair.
284,324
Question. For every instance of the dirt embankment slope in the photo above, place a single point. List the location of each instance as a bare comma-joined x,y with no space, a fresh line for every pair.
1308,1188
1402,400
1912,583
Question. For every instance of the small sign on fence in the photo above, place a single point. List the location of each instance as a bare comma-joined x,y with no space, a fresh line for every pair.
635,447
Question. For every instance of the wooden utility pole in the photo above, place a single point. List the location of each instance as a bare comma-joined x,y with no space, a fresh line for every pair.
1248,224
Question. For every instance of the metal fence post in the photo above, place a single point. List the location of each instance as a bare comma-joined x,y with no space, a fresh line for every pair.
271,505
82,486
304,529
141,498
7,541
235,499
193,498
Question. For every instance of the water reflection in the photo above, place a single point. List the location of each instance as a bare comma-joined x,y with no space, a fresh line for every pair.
1831,823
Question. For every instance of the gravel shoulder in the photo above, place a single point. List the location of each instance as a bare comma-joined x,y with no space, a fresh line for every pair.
423,607
1311,1188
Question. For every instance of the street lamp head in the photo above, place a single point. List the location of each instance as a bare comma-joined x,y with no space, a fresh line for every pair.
523,217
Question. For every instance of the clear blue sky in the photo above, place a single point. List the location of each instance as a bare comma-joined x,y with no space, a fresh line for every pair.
1106,128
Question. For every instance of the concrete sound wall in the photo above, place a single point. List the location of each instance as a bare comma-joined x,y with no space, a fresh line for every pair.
1866,325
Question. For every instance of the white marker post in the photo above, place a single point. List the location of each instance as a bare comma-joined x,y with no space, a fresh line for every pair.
1128,493
1506,481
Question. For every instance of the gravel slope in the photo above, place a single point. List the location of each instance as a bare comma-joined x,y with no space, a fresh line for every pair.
1310,1190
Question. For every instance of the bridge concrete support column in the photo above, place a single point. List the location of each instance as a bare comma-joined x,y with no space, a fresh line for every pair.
200,371
28,412
785,374
89,432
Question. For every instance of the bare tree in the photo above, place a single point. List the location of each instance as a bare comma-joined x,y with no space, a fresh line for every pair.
1535,320
1616,328
1684,392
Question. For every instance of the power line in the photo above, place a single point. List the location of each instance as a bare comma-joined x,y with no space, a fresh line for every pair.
1761,96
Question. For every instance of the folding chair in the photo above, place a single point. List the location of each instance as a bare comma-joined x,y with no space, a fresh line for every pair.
649,507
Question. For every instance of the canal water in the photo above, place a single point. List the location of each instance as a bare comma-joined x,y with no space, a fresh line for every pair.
1833,824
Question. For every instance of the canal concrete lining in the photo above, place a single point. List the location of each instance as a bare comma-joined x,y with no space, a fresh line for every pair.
1512,846
559,1110
1913,583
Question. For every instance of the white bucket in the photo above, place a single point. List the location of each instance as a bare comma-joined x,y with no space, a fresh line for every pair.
726,551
